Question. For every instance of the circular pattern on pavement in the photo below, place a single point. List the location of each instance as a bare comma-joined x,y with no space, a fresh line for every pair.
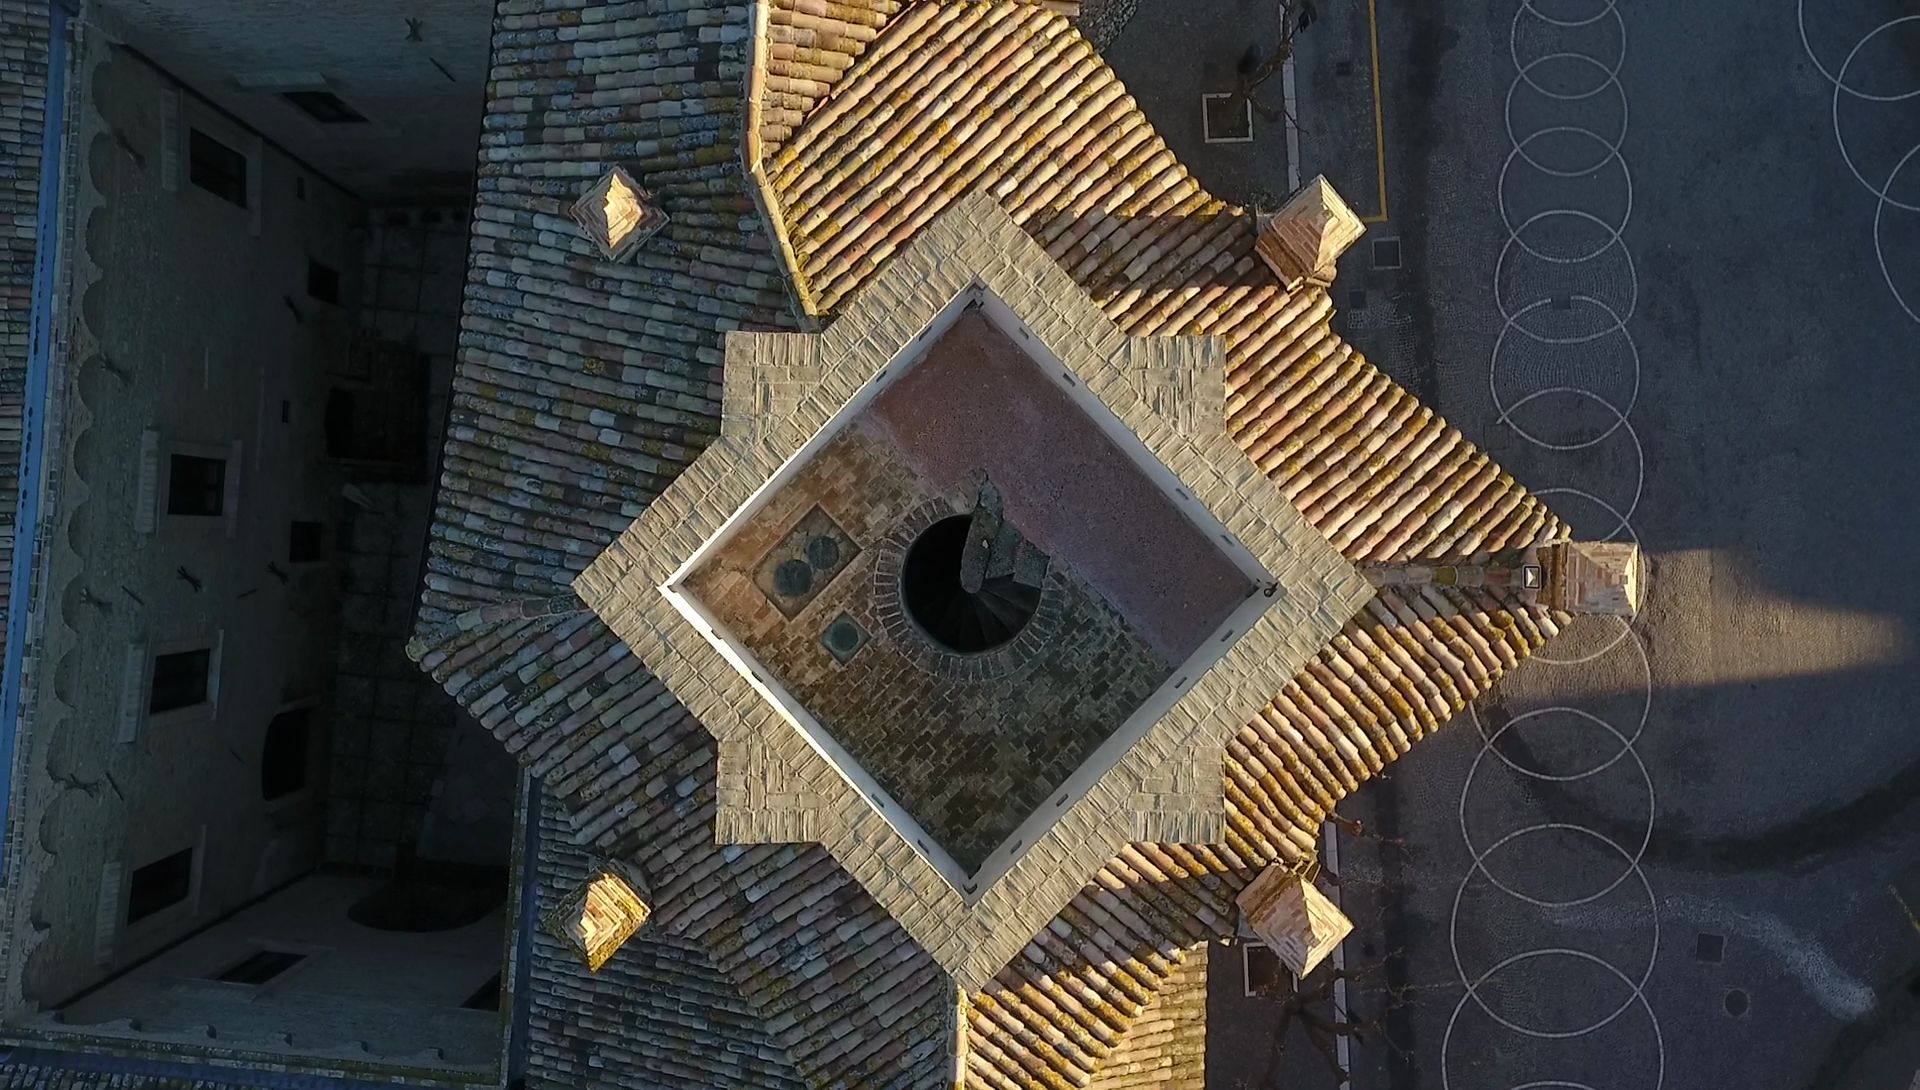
1850,80
1564,376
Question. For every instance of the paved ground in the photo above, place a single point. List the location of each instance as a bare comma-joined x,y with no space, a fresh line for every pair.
1637,267
1209,38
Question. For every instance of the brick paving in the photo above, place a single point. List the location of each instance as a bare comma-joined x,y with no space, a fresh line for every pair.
971,750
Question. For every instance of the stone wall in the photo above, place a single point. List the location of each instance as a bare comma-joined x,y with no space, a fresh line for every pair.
191,321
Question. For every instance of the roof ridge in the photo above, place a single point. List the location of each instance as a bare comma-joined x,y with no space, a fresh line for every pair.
752,159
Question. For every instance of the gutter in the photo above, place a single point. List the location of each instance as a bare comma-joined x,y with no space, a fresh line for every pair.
33,423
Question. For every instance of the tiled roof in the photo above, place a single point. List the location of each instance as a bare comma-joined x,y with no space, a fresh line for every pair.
582,387
659,1014
23,89
830,977
810,44
1008,98
33,1077
1166,1048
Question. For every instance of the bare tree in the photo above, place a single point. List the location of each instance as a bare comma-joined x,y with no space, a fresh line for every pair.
1313,1006
1265,59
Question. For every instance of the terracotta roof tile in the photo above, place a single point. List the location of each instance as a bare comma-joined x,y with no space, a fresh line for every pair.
1008,97
583,386
658,1013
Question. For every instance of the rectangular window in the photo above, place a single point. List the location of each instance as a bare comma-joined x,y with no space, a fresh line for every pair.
196,485
306,542
260,967
283,761
179,680
160,884
216,168
323,282
324,107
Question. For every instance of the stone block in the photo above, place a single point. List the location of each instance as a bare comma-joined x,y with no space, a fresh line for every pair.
1307,236
1294,919
618,215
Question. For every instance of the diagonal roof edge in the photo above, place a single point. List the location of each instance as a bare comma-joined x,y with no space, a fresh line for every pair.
752,162
753,145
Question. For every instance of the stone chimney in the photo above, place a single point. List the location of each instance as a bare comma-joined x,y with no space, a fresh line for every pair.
618,215
1292,918
601,914
1303,240
1600,577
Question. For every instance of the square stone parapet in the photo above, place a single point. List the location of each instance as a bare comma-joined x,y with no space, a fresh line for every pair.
1293,918
780,781
618,214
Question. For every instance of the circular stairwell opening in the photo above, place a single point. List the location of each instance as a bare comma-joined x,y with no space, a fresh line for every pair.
953,617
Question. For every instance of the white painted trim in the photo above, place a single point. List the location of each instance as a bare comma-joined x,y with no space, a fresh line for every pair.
817,736
205,983
256,163
1116,430
192,713
230,488
108,911
1293,130
1330,855
232,455
133,693
372,127
187,908
248,143
172,140
789,469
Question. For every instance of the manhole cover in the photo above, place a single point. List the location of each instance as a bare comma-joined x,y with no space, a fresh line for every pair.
1386,253
843,638
1709,946
793,578
823,552
1737,1002
1357,299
